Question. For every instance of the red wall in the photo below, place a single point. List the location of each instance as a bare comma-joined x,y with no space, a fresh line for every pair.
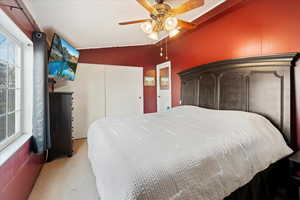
131,56
251,28
18,174
141,56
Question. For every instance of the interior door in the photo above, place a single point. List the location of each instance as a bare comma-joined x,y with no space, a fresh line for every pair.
101,91
124,90
163,75
89,97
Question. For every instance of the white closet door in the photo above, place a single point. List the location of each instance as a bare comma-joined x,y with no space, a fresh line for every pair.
89,97
124,90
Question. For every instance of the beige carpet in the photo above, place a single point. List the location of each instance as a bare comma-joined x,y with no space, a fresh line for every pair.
67,178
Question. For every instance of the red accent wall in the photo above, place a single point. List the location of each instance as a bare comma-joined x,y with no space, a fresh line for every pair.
19,173
140,56
251,28
150,104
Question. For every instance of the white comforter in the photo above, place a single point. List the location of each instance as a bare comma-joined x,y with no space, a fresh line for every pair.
187,153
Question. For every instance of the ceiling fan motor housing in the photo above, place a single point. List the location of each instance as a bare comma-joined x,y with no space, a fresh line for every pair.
159,1
162,11
163,16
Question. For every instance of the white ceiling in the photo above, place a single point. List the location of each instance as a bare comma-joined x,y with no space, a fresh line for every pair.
94,23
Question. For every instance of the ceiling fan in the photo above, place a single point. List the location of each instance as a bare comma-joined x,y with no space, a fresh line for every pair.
163,17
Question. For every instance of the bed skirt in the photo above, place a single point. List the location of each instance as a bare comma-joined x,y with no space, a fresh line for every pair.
270,184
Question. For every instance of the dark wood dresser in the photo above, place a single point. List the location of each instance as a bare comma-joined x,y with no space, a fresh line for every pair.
60,124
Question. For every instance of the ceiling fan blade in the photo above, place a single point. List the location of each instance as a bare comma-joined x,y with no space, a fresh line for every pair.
146,4
135,22
187,6
186,25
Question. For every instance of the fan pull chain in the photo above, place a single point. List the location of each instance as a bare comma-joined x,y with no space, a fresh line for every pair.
166,49
161,49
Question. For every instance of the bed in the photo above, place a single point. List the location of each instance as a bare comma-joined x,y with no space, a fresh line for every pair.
225,138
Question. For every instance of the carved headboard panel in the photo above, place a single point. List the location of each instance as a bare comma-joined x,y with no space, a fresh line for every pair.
263,85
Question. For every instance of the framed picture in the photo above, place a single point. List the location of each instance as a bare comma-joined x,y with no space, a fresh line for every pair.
149,78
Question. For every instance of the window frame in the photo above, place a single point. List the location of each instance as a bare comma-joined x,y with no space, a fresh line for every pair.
27,96
10,139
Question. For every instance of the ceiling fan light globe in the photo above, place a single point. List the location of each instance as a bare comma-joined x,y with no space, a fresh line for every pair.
173,32
171,23
147,27
153,36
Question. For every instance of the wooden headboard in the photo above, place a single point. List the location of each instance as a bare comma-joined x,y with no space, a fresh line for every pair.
263,85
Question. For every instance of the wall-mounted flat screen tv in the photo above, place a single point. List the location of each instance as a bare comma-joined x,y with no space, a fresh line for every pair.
63,59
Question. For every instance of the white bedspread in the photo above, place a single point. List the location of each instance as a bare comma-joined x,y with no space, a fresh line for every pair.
187,153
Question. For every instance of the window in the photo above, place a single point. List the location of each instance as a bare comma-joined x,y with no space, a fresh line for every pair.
10,88
16,87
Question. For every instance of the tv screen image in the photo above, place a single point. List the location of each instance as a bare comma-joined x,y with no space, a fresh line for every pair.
63,59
